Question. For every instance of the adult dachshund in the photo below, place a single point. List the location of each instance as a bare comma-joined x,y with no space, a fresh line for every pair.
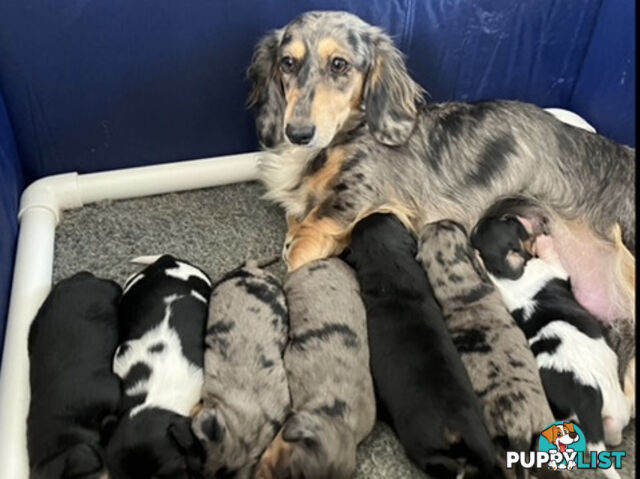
348,133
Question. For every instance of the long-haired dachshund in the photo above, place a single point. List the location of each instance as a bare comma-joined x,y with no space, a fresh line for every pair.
348,133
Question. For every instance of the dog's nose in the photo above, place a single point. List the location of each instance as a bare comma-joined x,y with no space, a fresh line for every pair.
300,135
573,435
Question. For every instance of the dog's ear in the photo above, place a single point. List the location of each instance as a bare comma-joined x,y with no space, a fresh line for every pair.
549,433
83,460
391,98
569,426
267,97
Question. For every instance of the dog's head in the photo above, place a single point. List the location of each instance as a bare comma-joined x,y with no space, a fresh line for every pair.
504,245
561,435
82,461
455,270
154,443
323,74
309,445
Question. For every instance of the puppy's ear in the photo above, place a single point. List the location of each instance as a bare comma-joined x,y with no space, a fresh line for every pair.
83,460
180,431
569,426
107,426
298,428
267,97
549,433
391,98
208,425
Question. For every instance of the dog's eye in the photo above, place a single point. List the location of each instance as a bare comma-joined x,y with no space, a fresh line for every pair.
339,65
287,65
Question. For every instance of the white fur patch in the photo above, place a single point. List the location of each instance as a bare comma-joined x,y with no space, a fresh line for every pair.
131,280
519,293
175,383
280,172
591,362
184,271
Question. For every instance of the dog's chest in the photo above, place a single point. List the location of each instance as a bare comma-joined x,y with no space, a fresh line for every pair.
291,178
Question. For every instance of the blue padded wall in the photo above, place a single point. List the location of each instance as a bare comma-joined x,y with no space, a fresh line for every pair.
11,184
94,85
605,93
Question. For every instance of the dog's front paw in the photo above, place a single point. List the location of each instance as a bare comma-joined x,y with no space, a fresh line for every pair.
571,465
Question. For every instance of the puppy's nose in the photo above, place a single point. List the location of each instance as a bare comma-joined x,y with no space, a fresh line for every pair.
573,435
300,134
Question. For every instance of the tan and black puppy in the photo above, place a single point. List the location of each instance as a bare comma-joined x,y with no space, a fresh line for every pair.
245,395
494,350
327,363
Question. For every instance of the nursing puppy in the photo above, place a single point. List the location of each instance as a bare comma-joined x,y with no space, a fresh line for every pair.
245,396
73,391
162,320
579,370
327,363
420,381
495,352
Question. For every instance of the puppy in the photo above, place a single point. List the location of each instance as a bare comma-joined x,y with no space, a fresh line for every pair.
494,350
245,397
419,379
579,370
162,320
327,363
73,391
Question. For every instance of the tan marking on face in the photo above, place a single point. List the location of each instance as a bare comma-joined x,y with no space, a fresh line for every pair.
329,47
292,96
332,107
296,49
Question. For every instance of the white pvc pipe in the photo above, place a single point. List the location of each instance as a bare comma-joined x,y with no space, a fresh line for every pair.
40,207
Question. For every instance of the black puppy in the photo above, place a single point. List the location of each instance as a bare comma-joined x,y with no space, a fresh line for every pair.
73,390
163,312
419,379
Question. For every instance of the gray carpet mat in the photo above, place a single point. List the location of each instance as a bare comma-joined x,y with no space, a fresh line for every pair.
217,229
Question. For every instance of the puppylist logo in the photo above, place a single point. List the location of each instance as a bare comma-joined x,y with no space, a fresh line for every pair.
562,447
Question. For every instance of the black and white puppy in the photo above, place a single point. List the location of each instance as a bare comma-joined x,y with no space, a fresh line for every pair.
162,315
579,370
420,381
73,390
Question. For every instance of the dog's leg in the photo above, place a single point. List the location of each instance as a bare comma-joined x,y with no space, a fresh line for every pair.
313,239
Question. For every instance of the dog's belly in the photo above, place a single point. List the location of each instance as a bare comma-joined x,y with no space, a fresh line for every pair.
590,264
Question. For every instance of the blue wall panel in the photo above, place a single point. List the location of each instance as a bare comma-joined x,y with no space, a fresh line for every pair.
605,93
11,184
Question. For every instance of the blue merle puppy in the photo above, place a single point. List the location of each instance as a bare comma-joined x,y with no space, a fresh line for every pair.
162,317
494,350
245,395
327,363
